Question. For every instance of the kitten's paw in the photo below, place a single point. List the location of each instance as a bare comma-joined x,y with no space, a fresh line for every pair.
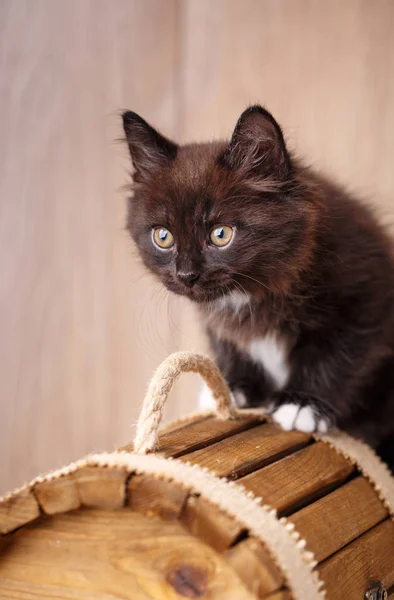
206,401
291,416
286,415
240,399
302,416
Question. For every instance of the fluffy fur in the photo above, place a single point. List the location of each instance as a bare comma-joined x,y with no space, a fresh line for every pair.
308,268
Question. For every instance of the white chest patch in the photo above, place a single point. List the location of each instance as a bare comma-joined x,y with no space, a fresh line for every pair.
235,300
271,352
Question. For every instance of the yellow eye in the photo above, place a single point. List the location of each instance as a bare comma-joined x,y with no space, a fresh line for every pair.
221,236
163,238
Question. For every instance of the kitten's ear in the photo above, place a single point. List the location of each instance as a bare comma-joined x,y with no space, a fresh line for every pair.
257,146
149,150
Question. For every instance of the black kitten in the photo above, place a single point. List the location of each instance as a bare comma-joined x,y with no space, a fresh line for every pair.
293,277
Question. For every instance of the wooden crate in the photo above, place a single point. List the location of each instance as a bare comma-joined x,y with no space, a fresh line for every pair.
108,532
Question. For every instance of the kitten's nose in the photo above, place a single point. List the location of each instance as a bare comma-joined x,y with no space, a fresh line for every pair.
189,278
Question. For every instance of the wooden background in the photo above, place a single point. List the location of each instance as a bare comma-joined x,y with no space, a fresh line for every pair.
81,326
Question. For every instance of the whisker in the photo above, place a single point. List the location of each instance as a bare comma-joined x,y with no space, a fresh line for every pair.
253,279
244,292
169,298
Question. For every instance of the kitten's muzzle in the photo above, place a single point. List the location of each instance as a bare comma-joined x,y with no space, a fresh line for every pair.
189,278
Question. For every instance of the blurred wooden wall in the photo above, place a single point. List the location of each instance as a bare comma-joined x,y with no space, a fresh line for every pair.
81,326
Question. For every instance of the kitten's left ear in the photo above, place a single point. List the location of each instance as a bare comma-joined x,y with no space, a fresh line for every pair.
257,146
149,150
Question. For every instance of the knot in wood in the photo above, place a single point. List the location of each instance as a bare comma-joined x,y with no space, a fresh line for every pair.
188,581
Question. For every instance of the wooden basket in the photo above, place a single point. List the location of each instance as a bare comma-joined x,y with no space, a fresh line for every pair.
264,514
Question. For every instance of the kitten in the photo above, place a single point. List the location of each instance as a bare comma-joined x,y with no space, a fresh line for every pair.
293,277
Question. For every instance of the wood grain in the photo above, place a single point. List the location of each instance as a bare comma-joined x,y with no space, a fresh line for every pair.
58,495
153,496
248,450
205,521
82,328
350,571
282,595
317,83
114,554
299,478
255,567
340,517
201,434
18,511
99,487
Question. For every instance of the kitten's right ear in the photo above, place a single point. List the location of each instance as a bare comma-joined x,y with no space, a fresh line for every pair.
149,150
257,146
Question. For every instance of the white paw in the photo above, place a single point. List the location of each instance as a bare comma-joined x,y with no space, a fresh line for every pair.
286,415
239,399
291,416
323,426
305,420
206,401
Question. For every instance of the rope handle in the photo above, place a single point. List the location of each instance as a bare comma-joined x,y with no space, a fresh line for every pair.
160,386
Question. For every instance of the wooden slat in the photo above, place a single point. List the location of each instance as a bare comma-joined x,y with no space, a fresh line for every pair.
20,590
100,487
200,434
255,567
282,595
340,517
5,541
182,422
18,511
58,495
248,450
114,554
299,478
205,521
151,495
168,428
350,571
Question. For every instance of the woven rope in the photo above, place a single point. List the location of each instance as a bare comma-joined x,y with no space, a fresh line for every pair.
160,386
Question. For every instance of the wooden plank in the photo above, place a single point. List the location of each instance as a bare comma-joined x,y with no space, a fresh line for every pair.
81,332
255,567
5,541
20,590
251,449
115,554
154,496
340,517
200,434
205,521
167,428
18,511
282,595
299,478
350,571
58,495
100,487
182,422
